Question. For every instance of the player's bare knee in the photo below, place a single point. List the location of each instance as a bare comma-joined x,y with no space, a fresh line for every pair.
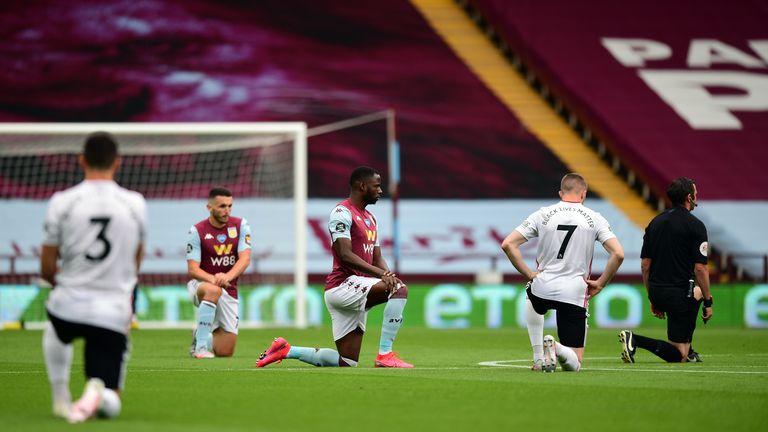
209,292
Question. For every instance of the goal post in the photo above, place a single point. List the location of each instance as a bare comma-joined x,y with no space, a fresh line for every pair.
173,165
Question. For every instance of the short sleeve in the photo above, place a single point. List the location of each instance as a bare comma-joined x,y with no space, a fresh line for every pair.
193,245
529,228
604,232
340,223
51,226
700,242
143,219
245,236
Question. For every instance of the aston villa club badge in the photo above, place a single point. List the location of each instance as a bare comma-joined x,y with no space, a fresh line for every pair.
232,231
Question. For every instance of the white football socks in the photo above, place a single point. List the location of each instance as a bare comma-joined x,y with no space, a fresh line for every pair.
58,361
206,312
567,357
393,319
315,356
535,324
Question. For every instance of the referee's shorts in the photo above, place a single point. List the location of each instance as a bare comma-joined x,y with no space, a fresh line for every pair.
681,311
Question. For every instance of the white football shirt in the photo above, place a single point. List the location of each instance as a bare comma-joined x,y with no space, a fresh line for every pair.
567,233
97,226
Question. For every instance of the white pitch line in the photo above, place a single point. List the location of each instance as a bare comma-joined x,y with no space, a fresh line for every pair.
503,363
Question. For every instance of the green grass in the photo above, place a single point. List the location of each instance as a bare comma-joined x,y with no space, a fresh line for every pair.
448,389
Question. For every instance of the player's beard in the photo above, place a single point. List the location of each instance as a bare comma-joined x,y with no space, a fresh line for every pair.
221,219
371,198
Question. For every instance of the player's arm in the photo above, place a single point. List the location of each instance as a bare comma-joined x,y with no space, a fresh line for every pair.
243,253
194,257
343,248
49,256
243,261
645,269
139,256
391,279
195,272
378,259
142,231
615,258
49,253
701,272
511,247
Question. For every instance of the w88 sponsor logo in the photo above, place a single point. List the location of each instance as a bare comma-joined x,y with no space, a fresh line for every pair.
226,260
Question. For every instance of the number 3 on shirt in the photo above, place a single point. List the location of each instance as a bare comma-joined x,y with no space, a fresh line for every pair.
570,229
103,221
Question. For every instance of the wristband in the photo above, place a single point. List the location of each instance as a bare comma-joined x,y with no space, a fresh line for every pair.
708,302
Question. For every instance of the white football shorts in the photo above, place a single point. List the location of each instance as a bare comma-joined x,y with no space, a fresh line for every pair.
346,304
226,310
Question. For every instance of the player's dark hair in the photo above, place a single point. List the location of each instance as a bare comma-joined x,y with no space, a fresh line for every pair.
679,190
219,191
361,173
100,150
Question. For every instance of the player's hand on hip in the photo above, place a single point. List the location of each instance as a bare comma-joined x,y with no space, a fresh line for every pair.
593,288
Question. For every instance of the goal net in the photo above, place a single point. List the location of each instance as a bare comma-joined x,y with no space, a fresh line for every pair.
174,165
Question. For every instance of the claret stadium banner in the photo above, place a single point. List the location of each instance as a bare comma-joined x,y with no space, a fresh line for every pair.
433,306
672,87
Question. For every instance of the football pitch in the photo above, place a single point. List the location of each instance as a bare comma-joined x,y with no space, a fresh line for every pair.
468,380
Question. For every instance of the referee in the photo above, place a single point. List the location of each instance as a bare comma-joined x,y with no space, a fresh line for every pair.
674,266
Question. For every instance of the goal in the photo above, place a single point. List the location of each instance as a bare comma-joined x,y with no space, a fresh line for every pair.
173,165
